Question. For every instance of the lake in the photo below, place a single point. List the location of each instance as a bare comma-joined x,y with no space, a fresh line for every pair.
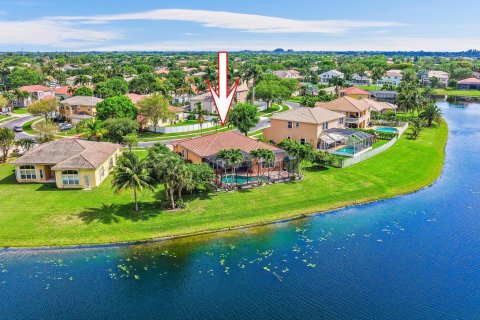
412,257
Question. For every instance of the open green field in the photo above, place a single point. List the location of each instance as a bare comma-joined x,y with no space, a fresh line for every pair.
183,123
457,93
39,214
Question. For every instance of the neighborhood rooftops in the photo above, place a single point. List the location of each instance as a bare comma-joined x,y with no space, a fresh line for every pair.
211,144
82,101
469,81
309,115
35,88
70,154
345,104
354,90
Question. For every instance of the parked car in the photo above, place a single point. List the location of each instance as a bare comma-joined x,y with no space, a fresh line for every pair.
5,113
18,129
64,126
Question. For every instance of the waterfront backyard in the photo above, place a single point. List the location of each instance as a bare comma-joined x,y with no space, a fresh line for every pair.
40,214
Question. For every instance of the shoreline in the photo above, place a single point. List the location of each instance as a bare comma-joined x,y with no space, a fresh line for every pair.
434,173
286,219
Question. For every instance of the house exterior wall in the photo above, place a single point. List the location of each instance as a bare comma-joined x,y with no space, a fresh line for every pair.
468,86
207,105
67,110
356,96
187,154
279,131
46,169
32,97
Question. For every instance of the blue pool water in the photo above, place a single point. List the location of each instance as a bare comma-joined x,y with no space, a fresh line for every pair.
387,129
240,179
349,150
411,257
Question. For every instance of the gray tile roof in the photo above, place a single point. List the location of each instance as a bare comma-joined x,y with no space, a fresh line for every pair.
309,115
70,154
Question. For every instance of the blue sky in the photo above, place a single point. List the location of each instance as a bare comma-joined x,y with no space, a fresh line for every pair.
236,25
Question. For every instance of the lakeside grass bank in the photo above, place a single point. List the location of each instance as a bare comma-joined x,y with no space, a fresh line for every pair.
34,215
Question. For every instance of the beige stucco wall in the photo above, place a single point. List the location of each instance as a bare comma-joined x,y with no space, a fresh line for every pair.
47,173
187,154
279,131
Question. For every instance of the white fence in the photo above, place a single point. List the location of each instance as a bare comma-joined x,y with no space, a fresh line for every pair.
190,127
374,152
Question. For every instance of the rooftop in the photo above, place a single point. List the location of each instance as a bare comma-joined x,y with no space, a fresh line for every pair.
211,144
35,88
70,154
469,80
309,115
354,90
82,101
345,104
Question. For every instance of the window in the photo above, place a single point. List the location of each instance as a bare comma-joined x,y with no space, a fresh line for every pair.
303,140
341,121
70,178
290,124
28,173
110,163
325,126
102,172
297,125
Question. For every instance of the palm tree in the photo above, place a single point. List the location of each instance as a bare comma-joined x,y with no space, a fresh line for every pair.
416,126
216,121
257,156
93,129
431,113
26,143
338,83
131,173
252,72
268,158
81,80
224,155
235,158
201,113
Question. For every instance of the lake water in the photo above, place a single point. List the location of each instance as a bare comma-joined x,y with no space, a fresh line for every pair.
413,257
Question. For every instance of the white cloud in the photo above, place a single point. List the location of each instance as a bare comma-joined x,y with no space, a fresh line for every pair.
380,43
49,33
238,21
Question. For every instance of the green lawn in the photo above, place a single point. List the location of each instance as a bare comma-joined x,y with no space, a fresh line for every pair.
20,111
183,123
36,214
457,93
27,126
152,136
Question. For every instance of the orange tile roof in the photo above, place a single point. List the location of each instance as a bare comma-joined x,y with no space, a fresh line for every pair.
345,104
211,144
64,90
134,97
354,90
469,80
35,88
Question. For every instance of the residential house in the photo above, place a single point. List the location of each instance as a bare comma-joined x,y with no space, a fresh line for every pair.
304,125
392,76
78,108
35,93
205,149
469,84
442,76
178,113
208,104
241,93
64,92
381,107
287,74
328,76
384,95
359,80
69,163
476,74
355,93
357,111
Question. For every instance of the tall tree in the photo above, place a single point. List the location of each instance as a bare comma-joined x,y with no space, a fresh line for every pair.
116,107
155,108
45,108
244,116
131,173
7,140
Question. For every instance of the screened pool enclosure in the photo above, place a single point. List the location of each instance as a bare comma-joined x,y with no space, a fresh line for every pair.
345,142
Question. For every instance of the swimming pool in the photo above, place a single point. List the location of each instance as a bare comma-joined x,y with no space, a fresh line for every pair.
349,150
241,179
387,129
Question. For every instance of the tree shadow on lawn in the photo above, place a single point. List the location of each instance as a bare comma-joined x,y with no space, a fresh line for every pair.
316,168
10,179
113,213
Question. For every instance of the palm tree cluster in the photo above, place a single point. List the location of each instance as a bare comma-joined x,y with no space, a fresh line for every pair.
160,167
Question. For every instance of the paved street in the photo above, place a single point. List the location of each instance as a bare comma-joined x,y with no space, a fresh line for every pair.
18,122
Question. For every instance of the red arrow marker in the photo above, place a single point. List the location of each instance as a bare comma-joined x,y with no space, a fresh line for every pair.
223,97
